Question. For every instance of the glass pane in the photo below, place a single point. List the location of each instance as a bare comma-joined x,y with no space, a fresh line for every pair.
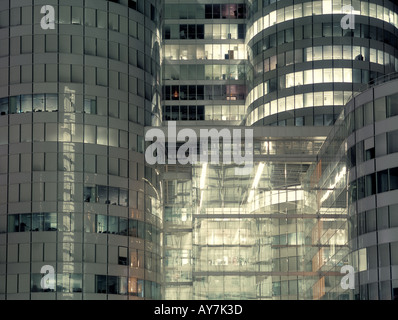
113,225
13,223
101,224
133,228
38,222
123,226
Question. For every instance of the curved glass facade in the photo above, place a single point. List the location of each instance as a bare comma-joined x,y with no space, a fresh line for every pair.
301,49
76,194
372,195
78,197
353,188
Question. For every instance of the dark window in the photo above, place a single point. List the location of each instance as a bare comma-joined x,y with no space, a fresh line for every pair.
175,113
192,92
153,13
200,92
100,284
184,112
370,186
201,113
102,194
133,228
200,31
241,11
166,113
112,285
216,11
353,191
167,32
392,106
133,4
113,225
123,226
382,181
191,31
123,256
183,31
394,179
241,31
167,94
392,141
352,156
3,106
183,92
272,41
44,222
369,154
208,11
361,187
192,112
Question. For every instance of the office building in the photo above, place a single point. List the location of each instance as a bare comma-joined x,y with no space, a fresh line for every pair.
77,194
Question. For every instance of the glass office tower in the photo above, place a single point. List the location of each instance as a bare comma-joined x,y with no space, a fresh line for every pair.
372,148
353,186
75,193
204,83
273,233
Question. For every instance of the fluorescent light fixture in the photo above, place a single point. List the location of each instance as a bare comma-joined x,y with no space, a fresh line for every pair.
256,180
203,176
201,200
202,184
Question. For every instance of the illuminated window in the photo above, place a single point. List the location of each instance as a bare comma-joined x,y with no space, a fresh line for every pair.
328,98
338,74
298,10
327,52
317,7
318,76
318,98
317,51
347,75
289,13
347,52
328,75
298,101
308,99
307,9
337,52
289,80
298,78
308,77
327,6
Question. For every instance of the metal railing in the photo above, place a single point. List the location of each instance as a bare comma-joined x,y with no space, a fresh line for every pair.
374,82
